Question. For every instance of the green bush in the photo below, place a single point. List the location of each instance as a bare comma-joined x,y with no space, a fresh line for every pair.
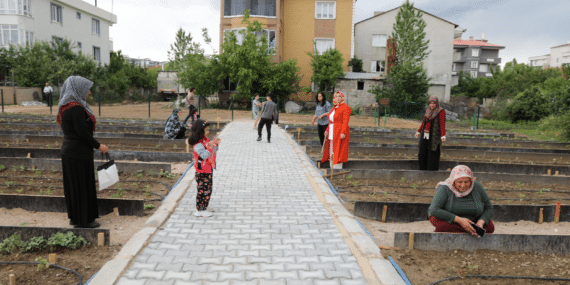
15,244
529,105
67,240
11,244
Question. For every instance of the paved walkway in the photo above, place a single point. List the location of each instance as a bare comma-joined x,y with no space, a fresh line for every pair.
275,222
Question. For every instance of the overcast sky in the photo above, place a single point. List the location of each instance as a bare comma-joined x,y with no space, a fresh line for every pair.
146,28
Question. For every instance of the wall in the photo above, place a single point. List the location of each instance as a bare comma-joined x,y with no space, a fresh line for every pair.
357,98
22,94
438,63
557,56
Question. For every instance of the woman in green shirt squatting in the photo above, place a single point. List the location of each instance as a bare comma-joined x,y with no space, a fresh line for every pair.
459,202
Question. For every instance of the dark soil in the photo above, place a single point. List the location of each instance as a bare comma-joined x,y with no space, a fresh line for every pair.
405,190
86,261
424,267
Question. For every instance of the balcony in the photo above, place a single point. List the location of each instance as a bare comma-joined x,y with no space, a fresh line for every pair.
457,57
496,60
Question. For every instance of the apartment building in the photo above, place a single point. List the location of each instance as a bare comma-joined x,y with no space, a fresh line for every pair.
476,57
27,21
372,34
292,26
559,55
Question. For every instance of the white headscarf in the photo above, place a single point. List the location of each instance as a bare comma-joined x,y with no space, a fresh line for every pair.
457,172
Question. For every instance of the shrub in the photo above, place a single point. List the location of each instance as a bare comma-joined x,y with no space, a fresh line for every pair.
529,105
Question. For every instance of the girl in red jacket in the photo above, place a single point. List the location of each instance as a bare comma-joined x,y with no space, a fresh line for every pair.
337,132
204,152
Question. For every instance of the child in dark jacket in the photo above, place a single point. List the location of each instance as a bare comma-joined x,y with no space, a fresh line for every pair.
204,152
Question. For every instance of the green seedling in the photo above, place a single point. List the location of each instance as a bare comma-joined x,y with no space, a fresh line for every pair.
415,186
148,206
87,267
24,224
471,268
22,168
355,183
542,190
2,167
42,263
135,184
349,176
20,190
403,179
14,168
174,146
10,183
521,196
372,195
30,182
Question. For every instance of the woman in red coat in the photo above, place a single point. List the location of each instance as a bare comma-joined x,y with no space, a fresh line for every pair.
337,132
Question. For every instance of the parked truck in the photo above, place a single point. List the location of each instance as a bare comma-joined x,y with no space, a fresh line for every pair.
168,86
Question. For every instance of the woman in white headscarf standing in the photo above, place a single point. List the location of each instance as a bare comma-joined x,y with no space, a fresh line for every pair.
78,123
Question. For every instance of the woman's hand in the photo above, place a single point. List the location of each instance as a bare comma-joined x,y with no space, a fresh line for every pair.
326,134
465,224
481,223
342,136
417,135
103,148
217,141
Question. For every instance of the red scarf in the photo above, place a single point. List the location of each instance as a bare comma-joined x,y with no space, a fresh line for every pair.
73,104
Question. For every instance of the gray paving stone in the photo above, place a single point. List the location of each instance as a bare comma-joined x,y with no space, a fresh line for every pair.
316,274
151,274
209,276
299,282
238,282
126,281
327,282
249,275
160,282
272,282
240,276
285,274
169,266
177,275
360,281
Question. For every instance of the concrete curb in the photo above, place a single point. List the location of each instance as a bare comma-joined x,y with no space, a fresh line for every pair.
114,269
375,269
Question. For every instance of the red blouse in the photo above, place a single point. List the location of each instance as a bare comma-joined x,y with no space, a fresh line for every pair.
442,116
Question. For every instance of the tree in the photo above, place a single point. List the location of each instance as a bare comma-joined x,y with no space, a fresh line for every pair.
327,67
529,105
409,35
182,46
356,64
406,83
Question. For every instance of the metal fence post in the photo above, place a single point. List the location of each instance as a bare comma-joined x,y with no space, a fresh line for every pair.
149,105
2,91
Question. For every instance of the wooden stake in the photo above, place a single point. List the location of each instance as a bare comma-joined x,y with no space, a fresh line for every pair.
12,278
116,211
299,133
29,155
548,172
325,172
100,239
541,215
384,212
318,164
556,173
33,167
557,212
27,140
218,119
411,241
52,258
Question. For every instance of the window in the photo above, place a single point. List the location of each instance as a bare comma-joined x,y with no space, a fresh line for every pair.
379,40
17,7
325,10
454,67
475,52
78,15
79,45
95,27
322,45
57,40
473,74
229,85
29,37
360,85
56,13
265,8
9,35
474,64
376,66
97,53
27,7
484,68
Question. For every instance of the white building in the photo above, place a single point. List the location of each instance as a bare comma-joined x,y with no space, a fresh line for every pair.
370,39
87,26
559,55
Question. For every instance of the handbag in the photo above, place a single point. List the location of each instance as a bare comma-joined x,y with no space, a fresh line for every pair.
107,173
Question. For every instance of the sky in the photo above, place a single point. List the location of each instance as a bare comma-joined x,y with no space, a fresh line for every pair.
146,28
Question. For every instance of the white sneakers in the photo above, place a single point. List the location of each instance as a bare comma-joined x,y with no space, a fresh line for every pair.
202,213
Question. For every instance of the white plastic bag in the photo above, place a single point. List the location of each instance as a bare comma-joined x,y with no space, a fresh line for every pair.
107,174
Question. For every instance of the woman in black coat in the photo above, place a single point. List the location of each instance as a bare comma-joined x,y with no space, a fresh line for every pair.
78,124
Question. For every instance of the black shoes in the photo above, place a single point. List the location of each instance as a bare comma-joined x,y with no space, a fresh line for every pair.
259,139
268,140
88,226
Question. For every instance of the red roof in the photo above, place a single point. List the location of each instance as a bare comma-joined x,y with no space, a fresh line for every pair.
568,44
474,43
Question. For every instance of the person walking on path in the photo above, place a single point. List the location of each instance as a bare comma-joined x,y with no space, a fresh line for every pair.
323,107
48,94
268,115
174,129
255,109
459,203
190,101
204,152
337,134
432,135
78,123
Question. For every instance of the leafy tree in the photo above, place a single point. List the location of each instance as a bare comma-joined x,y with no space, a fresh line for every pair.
356,64
182,46
327,67
406,82
529,105
409,35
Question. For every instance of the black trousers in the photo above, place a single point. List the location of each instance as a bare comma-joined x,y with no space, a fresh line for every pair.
322,129
181,133
429,160
267,123
191,111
